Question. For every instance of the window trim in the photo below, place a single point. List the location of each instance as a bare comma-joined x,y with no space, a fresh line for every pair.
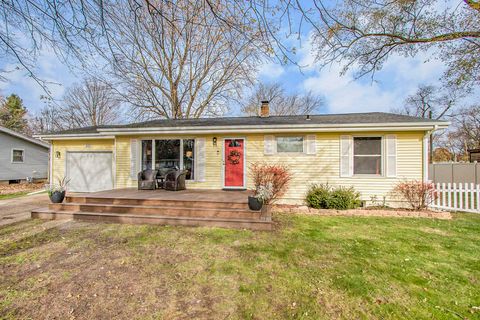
382,156
23,155
290,152
139,152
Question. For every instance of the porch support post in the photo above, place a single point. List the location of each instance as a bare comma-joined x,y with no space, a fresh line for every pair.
153,154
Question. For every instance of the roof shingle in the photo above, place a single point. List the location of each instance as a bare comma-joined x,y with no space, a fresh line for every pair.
326,119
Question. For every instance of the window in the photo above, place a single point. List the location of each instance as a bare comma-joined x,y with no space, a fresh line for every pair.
289,144
169,153
189,158
17,155
367,155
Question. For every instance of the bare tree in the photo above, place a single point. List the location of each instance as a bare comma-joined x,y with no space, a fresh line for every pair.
91,103
466,128
183,64
47,119
363,34
281,102
429,102
150,31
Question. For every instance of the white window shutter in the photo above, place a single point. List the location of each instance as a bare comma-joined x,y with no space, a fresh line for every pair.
311,146
133,159
269,145
200,159
346,156
391,151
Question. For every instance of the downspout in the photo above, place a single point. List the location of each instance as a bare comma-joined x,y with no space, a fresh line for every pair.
426,144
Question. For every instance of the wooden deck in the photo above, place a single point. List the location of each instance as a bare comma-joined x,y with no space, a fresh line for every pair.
188,207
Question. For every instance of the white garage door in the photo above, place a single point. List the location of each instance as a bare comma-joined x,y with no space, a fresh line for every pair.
89,171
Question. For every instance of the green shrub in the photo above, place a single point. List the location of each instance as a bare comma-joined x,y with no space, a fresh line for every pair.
343,198
318,195
324,197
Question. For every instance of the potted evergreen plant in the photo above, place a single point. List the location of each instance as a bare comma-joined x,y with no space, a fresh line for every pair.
56,192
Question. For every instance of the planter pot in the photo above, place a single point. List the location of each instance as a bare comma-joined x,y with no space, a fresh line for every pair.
254,203
57,196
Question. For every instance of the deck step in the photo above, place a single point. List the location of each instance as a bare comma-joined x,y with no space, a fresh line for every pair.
157,202
157,210
153,219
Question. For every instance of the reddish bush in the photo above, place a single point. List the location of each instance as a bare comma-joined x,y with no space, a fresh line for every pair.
273,177
418,194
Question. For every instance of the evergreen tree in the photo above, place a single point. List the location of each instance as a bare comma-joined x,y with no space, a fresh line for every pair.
13,114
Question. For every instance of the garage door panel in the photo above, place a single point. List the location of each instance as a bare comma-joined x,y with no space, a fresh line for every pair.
89,171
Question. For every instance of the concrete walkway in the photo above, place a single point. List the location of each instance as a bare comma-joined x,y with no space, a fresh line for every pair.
17,209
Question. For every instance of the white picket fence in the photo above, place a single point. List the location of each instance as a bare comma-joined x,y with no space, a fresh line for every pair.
457,197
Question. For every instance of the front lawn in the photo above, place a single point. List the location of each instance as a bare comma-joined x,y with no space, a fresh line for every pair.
9,191
13,195
311,267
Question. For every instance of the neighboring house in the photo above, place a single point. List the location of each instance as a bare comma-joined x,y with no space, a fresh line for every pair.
369,151
22,157
473,155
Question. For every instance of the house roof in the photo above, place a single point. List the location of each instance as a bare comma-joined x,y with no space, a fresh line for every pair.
370,119
24,137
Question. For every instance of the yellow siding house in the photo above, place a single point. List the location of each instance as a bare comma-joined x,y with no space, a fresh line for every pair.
370,151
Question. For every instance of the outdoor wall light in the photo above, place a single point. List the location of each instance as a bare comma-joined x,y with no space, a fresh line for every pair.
214,140
57,154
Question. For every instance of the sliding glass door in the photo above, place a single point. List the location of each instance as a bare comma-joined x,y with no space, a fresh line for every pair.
169,154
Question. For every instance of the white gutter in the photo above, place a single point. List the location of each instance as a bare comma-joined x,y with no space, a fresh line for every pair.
90,136
279,126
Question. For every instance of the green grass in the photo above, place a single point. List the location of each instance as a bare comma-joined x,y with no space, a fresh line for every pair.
311,267
13,195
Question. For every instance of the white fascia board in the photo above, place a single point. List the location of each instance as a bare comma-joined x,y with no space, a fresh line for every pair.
110,133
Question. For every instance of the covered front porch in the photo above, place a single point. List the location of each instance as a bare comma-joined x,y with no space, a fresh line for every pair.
193,207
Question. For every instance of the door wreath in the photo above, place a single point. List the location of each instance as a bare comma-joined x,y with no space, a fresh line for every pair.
234,157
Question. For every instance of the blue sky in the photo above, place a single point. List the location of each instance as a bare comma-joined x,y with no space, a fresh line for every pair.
399,78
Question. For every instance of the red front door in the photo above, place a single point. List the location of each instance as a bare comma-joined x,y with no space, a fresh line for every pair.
234,163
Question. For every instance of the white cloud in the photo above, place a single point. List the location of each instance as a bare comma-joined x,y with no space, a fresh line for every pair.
270,70
399,78
344,95
307,55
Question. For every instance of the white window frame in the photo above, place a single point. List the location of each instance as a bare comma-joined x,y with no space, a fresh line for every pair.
23,155
181,153
289,152
382,156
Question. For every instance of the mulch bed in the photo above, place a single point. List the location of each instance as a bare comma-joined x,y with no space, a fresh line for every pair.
365,212
21,187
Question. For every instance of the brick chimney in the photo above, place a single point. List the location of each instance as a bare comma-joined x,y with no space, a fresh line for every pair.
264,109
